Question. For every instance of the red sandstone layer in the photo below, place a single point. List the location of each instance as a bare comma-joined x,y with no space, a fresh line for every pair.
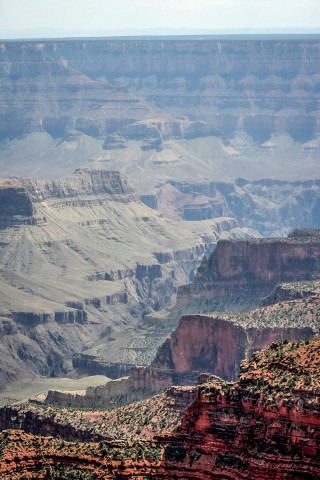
250,429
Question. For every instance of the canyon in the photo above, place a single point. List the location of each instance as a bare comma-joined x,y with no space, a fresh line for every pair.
69,276
250,269
216,126
266,425
272,207
78,299
147,192
172,89
215,343
240,277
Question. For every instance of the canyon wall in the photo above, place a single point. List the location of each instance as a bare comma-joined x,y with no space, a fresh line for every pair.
217,342
212,343
82,256
197,115
266,425
208,80
188,110
273,207
252,268
225,434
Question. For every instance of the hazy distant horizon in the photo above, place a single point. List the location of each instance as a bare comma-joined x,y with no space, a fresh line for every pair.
107,18
34,34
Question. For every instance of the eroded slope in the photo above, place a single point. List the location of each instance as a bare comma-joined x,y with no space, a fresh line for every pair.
82,256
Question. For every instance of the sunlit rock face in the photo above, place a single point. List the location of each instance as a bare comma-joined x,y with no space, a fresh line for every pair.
266,425
249,268
208,340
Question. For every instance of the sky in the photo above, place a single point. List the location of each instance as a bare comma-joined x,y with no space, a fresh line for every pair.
47,18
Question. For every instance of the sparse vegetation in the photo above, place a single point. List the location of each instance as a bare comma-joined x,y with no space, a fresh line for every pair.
154,416
295,313
25,456
287,368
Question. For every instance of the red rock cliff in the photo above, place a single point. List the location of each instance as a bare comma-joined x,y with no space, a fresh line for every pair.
266,426
253,267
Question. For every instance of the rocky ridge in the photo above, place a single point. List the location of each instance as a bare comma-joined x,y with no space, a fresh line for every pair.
181,107
266,425
255,427
252,268
210,342
272,207
145,419
195,114
201,75
237,276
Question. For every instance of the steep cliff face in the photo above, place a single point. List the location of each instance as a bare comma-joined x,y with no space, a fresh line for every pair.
217,342
212,343
272,207
238,275
234,436
218,345
14,202
196,78
210,346
251,268
267,425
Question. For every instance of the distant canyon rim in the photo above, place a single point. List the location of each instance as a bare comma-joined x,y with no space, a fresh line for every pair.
141,154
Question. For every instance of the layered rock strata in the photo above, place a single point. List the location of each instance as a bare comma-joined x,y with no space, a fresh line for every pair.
213,343
128,422
267,425
82,256
272,207
251,268
181,107
208,82
237,275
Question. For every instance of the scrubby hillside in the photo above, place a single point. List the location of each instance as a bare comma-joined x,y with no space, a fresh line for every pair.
260,426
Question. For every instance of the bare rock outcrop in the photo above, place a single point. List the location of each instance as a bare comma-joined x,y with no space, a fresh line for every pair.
264,426
212,343
206,72
255,426
272,207
252,268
